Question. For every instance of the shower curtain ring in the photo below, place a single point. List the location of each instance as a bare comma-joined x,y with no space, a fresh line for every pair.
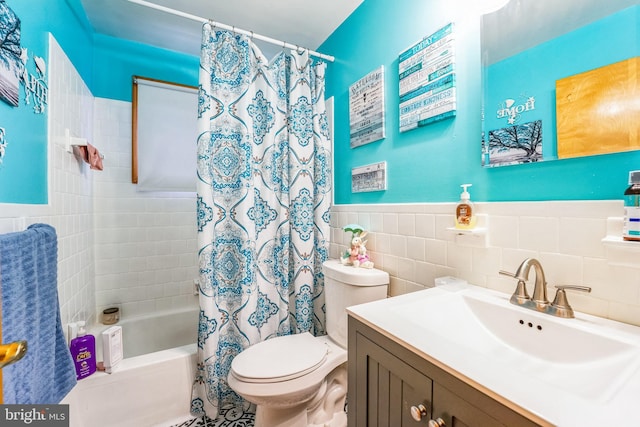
251,35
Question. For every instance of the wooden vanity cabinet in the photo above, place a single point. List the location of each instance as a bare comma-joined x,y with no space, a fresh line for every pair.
386,380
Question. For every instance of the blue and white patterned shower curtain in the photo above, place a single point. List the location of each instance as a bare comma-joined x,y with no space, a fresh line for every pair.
264,193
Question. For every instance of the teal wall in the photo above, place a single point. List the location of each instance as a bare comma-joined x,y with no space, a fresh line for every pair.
105,64
424,165
428,164
23,172
116,60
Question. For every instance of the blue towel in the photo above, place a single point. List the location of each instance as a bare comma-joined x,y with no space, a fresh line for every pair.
30,311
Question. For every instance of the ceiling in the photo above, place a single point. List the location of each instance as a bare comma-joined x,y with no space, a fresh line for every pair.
305,23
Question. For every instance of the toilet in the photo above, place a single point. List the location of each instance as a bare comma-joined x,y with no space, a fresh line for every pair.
301,380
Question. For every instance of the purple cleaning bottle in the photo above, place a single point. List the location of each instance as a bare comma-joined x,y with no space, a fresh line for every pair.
83,351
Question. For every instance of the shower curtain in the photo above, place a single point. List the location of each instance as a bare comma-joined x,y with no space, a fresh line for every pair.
264,193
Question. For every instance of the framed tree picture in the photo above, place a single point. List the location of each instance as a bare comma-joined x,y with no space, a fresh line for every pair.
11,65
514,145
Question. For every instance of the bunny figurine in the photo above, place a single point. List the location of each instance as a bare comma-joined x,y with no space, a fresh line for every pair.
357,255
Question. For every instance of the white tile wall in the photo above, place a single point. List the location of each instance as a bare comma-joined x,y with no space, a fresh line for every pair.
412,243
146,245
115,246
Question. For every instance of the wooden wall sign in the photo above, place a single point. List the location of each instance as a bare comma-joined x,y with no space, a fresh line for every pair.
598,111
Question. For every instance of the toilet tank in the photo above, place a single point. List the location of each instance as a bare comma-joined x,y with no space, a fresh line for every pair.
344,286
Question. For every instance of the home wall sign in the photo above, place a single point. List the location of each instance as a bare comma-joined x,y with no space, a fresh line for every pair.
512,110
35,85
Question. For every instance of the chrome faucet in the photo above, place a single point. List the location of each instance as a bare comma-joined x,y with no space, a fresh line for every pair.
560,306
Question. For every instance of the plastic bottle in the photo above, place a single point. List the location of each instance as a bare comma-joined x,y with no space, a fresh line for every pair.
112,348
83,351
465,211
631,227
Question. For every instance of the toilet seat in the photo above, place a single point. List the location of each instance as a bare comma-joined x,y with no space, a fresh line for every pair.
279,359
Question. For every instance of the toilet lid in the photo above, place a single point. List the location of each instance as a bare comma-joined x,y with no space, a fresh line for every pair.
279,359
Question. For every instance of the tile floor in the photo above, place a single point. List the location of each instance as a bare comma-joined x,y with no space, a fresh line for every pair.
229,417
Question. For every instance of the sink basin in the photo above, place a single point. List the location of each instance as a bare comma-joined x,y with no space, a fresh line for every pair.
557,341
577,355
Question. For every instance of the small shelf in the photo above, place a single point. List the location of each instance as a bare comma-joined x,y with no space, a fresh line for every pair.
475,237
619,242
479,231
622,252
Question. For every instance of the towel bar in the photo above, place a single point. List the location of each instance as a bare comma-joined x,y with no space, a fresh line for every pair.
72,141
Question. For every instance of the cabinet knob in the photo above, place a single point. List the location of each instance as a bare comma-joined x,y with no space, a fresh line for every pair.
438,422
417,412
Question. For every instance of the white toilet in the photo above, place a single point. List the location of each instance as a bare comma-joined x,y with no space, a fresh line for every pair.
301,380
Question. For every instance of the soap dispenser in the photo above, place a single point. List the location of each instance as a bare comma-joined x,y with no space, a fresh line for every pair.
465,211
83,351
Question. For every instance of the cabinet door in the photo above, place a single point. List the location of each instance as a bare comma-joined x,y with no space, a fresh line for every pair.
387,387
457,412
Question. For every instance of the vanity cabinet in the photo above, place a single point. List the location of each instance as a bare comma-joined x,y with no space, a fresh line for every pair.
387,379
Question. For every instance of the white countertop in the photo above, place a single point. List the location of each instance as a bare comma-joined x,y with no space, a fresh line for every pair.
510,383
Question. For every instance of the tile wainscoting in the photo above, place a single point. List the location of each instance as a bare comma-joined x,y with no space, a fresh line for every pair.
413,243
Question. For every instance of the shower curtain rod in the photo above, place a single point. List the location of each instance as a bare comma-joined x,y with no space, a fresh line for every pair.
230,28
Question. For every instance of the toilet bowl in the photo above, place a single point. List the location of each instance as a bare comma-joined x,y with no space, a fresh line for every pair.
284,385
301,380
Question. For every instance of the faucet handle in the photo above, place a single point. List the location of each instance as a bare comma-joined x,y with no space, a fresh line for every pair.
573,288
520,296
507,273
560,306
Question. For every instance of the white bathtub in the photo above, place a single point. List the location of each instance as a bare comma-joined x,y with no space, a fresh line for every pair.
147,389
147,334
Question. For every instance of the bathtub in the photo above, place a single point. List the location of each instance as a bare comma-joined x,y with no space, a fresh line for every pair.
152,385
148,334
